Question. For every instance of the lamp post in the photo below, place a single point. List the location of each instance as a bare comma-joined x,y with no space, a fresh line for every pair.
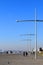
27,43
35,35
28,39
36,20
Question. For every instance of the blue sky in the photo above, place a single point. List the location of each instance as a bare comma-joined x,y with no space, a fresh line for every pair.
10,30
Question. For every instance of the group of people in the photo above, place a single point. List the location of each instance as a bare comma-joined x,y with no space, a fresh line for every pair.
25,53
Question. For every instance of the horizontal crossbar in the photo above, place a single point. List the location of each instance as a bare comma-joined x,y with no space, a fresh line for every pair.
29,20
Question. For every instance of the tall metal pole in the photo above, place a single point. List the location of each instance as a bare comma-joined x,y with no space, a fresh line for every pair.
36,20
30,45
35,36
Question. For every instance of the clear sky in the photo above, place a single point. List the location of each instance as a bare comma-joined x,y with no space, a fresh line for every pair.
10,30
